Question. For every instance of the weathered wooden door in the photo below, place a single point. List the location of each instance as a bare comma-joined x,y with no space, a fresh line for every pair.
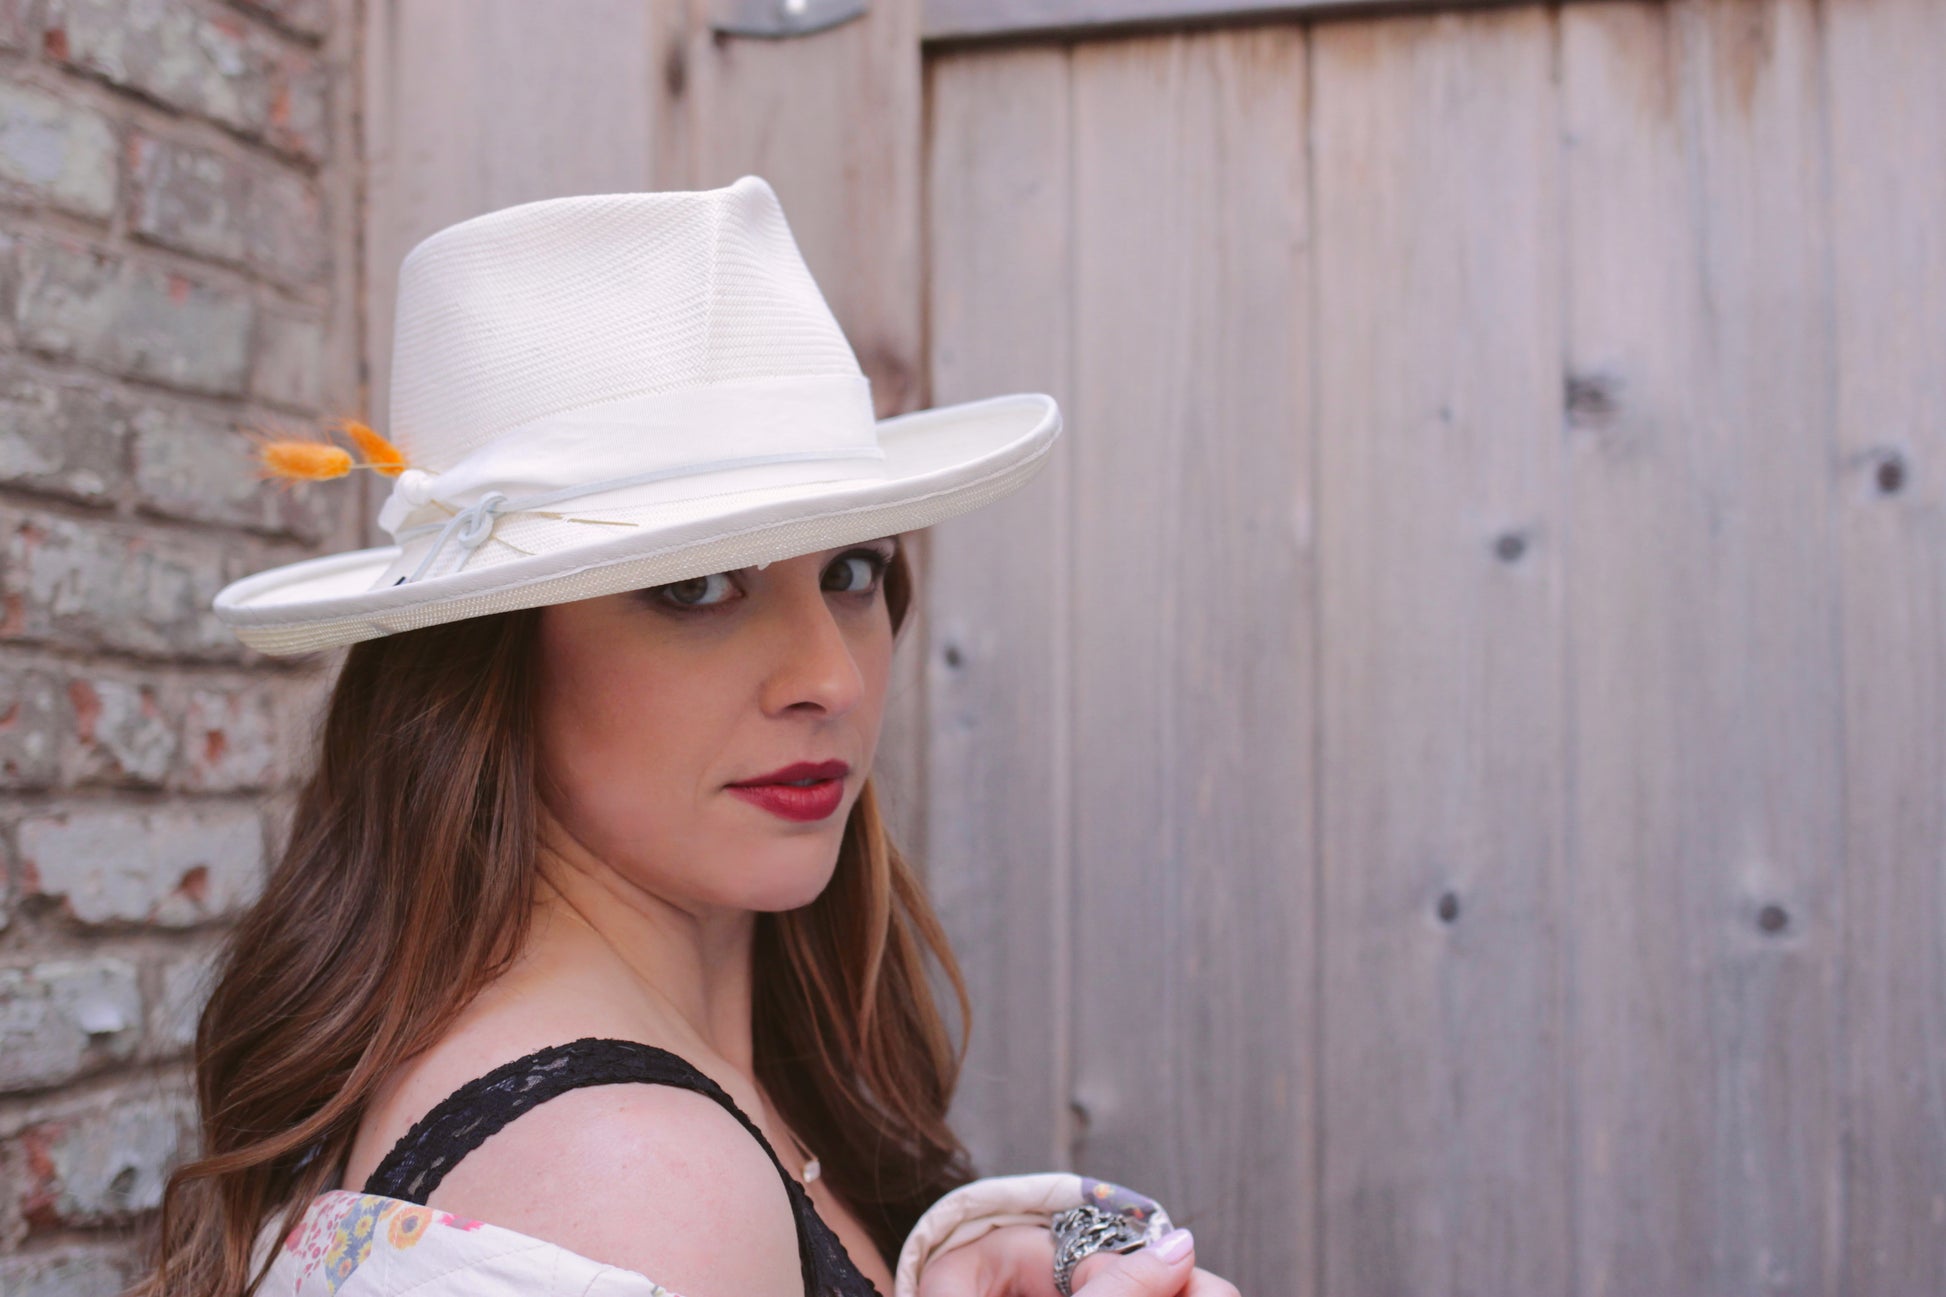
1443,781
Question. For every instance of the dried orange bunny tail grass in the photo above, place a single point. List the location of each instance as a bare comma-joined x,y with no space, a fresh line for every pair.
303,461
294,459
379,453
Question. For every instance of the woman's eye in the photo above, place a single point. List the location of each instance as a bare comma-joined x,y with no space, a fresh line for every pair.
697,591
855,573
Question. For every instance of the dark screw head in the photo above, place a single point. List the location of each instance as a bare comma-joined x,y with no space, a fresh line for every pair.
1592,398
1510,546
1448,907
952,655
1772,918
1891,475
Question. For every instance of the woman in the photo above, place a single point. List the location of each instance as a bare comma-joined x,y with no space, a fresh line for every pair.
588,931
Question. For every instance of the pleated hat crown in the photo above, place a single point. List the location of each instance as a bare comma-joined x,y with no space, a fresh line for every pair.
567,303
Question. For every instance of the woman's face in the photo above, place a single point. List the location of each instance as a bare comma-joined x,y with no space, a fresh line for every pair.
653,704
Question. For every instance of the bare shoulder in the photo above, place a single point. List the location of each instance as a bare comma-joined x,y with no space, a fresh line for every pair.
653,1178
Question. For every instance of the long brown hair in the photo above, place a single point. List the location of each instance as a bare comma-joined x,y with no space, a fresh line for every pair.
405,886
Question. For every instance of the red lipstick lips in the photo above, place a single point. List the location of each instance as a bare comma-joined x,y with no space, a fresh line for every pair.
806,791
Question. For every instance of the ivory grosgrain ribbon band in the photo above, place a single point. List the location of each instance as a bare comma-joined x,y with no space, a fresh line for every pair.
642,451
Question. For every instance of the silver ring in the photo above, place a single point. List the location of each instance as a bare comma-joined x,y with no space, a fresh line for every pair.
1080,1232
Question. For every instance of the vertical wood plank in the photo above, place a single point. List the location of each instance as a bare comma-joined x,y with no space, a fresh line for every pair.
1193,909
997,208
1446,1162
468,110
1887,105
1706,691
832,121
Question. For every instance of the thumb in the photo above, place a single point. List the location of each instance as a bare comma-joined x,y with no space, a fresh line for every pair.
1159,1270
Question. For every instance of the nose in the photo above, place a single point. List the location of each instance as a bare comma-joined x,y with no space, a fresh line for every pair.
814,668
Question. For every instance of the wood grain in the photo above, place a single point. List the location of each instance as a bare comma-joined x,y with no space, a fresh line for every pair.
1447,1162
1000,747
1703,609
1194,790
962,19
1887,175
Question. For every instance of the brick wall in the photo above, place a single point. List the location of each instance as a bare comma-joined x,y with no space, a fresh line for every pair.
177,202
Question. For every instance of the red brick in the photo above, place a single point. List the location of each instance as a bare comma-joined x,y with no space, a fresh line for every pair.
130,318
99,585
56,152
101,1165
172,867
227,207
200,59
61,1018
68,1272
61,435
310,18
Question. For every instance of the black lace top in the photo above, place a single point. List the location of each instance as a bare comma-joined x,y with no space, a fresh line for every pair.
463,1120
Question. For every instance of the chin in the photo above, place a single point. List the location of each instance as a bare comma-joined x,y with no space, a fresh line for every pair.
787,879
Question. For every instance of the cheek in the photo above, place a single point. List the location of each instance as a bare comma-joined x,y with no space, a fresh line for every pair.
873,653
623,742
614,739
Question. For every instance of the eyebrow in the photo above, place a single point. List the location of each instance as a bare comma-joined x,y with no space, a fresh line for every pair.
890,542
895,546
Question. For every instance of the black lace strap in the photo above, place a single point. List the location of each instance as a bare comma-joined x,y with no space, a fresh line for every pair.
463,1120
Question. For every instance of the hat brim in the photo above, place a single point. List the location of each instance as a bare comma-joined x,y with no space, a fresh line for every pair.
939,463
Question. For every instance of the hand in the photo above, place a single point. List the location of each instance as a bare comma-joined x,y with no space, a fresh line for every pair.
1143,1273
1018,1261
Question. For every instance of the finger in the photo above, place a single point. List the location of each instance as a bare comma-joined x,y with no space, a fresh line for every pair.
956,1273
1204,1284
1161,1269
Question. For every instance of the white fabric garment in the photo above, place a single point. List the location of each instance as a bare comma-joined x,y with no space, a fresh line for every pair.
365,1245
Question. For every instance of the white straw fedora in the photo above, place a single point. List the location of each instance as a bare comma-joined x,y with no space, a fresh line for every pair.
608,392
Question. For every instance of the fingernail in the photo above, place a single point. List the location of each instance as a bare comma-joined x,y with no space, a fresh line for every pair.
1174,1245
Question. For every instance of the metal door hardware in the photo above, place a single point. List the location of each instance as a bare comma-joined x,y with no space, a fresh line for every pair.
776,19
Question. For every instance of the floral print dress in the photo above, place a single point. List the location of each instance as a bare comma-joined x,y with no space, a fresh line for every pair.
369,1245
